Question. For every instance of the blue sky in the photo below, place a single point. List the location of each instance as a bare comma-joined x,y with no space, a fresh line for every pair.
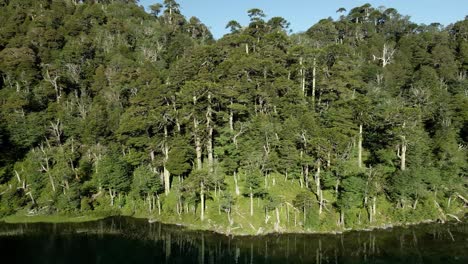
304,13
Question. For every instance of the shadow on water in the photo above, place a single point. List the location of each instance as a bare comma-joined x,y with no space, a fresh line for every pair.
128,240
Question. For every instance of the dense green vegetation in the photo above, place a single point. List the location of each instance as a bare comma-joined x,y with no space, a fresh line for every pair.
106,109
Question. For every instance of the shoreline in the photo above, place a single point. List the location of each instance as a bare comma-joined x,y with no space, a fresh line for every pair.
57,219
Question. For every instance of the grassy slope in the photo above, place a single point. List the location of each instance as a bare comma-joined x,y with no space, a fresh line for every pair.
21,218
243,223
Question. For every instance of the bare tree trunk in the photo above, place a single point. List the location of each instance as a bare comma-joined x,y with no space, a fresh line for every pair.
403,154
374,206
198,148
18,177
148,198
202,200
237,186
54,82
31,196
51,179
277,216
360,147
415,204
166,173
112,196
167,180
387,55
342,218
318,187
306,176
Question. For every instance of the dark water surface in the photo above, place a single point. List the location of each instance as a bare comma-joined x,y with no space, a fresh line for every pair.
128,240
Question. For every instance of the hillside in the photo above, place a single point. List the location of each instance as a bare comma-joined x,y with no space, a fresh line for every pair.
106,109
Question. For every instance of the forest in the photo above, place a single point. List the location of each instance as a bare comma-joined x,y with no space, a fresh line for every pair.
108,109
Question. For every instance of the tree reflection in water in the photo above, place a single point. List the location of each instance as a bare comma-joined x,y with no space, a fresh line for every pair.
128,240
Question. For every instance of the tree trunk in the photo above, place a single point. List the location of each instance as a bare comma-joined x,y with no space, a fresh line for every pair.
46,169
342,218
112,195
374,206
229,216
167,180
167,175
51,181
306,176
159,204
148,198
277,216
198,148
237,186
32,198
18,178
318,187
202,200
209,149
403,154
360,147
415,204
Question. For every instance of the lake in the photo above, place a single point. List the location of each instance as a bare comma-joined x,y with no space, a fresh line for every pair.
128,240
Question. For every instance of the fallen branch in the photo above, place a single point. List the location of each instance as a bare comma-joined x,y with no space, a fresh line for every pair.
440,211
453,216
463,198
95,196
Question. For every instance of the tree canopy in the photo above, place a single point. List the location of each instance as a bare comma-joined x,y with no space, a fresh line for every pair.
100,100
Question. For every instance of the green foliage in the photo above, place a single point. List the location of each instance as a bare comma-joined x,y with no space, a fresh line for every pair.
145,181
304,200
113,173
254,184
102,102
352,195
227,202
